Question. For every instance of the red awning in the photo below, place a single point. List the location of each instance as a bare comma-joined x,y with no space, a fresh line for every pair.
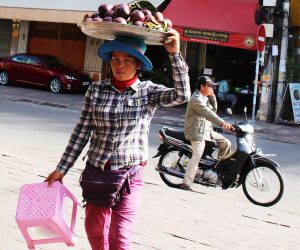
220,22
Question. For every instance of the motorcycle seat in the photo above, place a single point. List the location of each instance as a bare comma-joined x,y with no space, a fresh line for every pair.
179,135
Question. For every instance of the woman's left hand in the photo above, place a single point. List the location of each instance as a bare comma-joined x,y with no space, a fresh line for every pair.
172,42
54,176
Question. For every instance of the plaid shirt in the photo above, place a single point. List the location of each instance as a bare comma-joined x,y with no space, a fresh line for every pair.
117,123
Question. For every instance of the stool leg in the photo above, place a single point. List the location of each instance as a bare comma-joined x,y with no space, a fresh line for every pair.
27,237
71,196
74,212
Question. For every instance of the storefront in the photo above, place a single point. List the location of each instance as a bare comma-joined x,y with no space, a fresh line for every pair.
65,41
220,36
48,28
51,28
6,27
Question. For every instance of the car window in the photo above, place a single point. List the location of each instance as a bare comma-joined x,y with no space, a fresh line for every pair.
53,61
32,60
18,58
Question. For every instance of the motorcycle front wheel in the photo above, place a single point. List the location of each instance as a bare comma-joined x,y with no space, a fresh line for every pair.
263,185
171,159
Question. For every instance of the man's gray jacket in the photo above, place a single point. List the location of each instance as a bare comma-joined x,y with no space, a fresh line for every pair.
199,115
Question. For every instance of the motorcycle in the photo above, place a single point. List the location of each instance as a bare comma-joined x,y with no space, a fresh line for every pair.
259,176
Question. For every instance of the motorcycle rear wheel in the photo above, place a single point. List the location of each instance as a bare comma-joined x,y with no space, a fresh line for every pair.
263,185
171,159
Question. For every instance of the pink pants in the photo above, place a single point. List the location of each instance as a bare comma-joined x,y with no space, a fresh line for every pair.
111,228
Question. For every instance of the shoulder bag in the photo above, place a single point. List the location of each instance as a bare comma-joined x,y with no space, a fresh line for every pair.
105,188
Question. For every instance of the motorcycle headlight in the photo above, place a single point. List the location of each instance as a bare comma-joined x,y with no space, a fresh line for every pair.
70,77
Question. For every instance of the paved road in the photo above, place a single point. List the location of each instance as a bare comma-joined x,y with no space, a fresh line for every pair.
169,116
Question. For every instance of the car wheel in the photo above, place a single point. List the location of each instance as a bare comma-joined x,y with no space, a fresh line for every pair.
3,78
55,85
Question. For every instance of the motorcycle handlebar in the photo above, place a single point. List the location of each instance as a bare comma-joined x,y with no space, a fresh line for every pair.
236,128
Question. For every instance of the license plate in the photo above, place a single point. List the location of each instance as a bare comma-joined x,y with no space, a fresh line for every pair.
85,83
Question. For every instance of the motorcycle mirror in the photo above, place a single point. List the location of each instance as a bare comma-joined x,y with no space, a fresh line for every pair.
229,111
245,111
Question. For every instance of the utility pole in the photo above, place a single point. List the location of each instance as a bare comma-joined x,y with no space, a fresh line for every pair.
283,55
258,55
261,44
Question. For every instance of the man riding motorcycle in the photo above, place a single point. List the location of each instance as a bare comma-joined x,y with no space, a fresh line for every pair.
200,113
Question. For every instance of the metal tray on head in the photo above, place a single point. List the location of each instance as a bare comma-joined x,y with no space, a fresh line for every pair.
109,30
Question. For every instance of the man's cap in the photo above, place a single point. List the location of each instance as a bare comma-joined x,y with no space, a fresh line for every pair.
133,46
206,80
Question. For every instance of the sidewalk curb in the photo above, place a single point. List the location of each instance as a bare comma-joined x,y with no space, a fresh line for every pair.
39,102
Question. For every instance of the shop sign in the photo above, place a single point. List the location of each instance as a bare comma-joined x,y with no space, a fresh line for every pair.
206,34
290,105
234,40
295,98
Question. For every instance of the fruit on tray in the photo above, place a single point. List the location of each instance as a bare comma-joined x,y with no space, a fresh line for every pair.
140,13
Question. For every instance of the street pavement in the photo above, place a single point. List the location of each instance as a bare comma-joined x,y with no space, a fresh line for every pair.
173,116
169,219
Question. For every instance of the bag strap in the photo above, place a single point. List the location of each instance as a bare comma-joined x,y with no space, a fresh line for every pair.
126,184
133,170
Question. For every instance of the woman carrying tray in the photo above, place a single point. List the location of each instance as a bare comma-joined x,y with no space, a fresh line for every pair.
116,118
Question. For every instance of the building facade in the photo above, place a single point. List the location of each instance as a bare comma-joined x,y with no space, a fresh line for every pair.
50,27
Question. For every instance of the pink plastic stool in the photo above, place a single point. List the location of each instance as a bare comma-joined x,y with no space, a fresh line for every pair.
41,206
